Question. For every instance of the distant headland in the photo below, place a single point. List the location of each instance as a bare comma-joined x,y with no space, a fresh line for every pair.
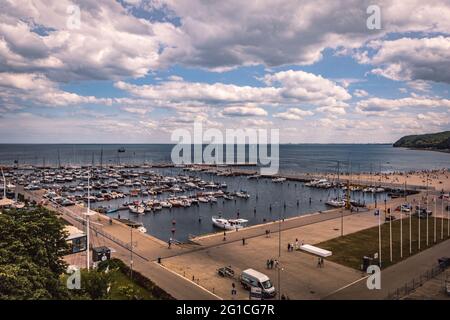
432,141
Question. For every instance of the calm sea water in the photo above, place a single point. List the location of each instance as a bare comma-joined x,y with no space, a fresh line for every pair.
293,158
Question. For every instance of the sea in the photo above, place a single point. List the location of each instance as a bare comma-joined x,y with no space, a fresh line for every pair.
294,158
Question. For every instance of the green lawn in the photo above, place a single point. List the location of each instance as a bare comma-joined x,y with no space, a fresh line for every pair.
122,288
350,249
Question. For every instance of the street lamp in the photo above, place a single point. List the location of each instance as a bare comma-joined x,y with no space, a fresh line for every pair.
88,213
4,184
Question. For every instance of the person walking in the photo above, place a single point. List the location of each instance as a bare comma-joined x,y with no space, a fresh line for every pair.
233,290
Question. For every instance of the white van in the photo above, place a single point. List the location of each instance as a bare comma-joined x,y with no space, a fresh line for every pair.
252,278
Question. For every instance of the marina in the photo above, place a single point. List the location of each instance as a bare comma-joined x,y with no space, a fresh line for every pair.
179,202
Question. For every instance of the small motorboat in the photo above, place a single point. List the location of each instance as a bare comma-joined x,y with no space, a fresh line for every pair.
136,209
229,224
166,204
142,229
228,197
203,200
336,203
242,194
278,180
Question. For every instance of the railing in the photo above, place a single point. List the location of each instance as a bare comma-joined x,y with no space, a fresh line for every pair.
81,222
415,283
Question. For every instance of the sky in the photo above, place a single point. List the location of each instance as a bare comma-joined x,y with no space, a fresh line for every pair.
130,71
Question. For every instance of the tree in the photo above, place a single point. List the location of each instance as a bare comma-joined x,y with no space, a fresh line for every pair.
32,246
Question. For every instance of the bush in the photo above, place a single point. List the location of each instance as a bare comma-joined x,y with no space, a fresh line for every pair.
141,280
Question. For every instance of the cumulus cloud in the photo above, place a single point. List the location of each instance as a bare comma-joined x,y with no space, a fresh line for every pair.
256,123
36,89
293,114
244,111
285,87
273,33
109,43
380,105
412,59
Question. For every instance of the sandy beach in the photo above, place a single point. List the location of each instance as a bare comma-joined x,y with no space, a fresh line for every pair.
437,179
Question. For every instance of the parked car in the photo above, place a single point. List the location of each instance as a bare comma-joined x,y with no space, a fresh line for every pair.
423,213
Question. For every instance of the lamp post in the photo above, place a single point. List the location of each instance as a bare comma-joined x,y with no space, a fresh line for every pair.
4,185
88,214
279,257
131,253
379,238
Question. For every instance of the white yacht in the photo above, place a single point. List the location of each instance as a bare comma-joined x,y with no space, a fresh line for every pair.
136,209
229,224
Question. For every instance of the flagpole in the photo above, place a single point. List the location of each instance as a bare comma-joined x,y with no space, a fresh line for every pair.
401,232
390,236
379,237
418,218
427,220
410,232
435,212
87,220
442,218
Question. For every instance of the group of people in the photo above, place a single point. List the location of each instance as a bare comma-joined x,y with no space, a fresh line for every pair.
291,247
320,262
271,263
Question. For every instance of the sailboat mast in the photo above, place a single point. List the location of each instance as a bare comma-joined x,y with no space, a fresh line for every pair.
101,158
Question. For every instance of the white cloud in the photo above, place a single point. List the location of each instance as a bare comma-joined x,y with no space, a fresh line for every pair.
285,87
256,123
410,59
360,93
293,114
110,43
420,85
380,105
36,89
221,37
244,111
